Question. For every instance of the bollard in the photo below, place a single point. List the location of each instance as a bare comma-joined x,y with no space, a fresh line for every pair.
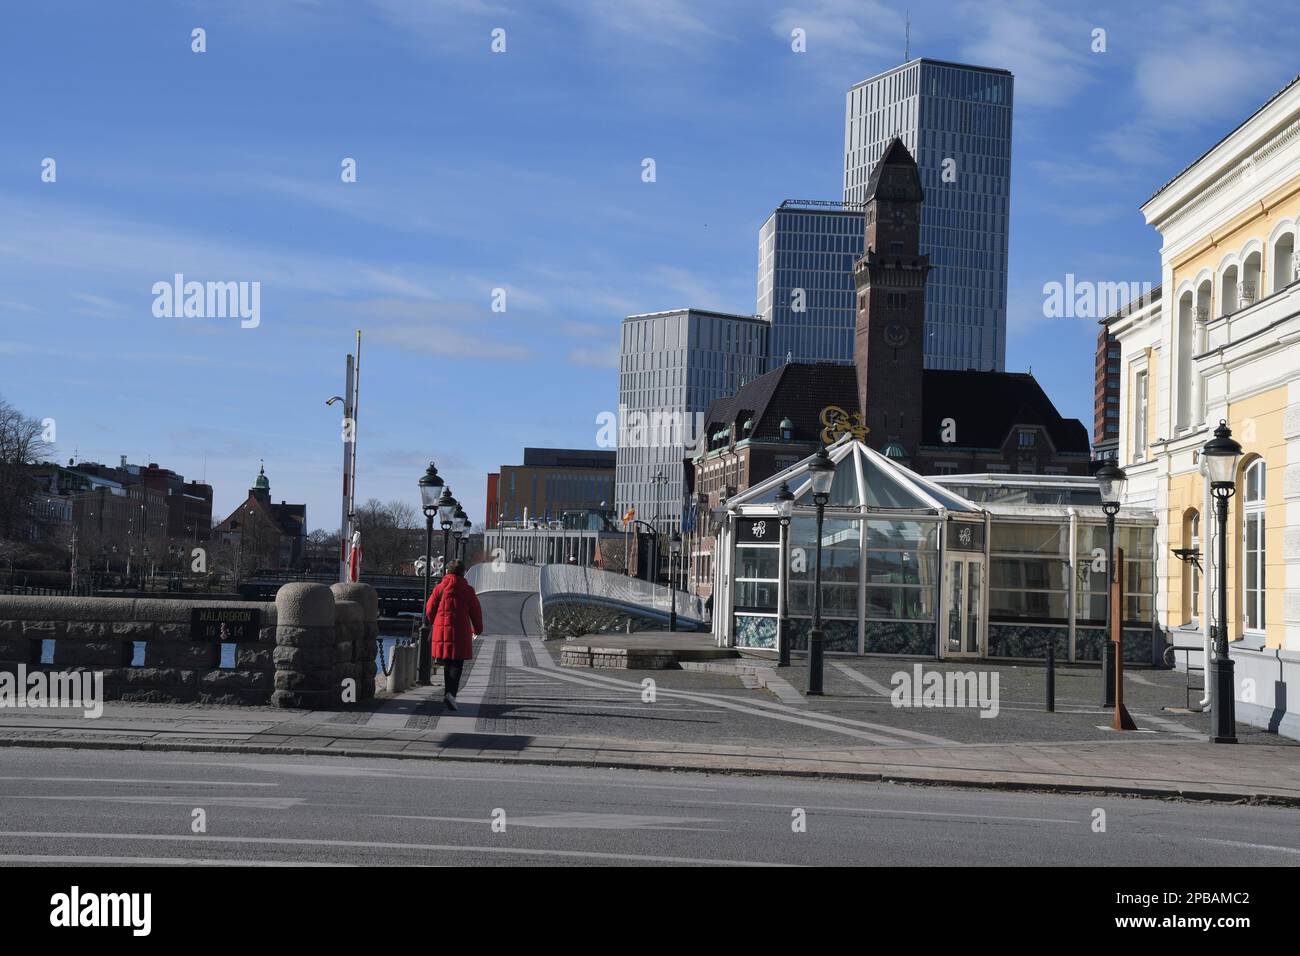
1051,675
1107,673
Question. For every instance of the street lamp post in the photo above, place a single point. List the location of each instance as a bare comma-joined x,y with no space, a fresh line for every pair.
1112,481
1222,453
431,486
784,511
822,472
674,551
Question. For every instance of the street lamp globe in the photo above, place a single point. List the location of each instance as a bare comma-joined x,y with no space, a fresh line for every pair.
446,508
784,502
431,486
675,544
1112,481
1222,452
822,472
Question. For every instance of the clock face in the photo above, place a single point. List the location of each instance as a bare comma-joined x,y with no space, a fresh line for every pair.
896,334
896,216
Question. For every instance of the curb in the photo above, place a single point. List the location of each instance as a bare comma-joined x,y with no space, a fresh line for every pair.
865,776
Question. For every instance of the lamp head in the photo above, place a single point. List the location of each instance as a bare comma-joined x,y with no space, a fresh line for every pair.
1221,454
784,501
431,485
1112,481
821,470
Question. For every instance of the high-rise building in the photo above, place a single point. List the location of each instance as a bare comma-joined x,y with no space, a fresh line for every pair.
806,251
956,121
672,365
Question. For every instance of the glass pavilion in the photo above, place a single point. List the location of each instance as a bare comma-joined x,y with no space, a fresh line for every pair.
974,566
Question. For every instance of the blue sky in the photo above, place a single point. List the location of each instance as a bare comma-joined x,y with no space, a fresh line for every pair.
521,171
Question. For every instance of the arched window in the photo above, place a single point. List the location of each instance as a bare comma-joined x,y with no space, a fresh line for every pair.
1186,327
1228,300
1281,264
1252,544
1250,292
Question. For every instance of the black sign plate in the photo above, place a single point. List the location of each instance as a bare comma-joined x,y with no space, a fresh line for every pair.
225,623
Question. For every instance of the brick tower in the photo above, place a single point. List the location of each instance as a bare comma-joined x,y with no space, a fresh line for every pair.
889,341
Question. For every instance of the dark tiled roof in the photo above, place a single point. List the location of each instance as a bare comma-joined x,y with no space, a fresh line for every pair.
799,391
985,406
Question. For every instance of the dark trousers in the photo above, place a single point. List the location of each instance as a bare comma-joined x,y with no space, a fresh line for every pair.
451,676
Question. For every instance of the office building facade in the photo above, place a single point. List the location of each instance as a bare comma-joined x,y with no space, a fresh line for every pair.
550,482
672,365
956,121
806,251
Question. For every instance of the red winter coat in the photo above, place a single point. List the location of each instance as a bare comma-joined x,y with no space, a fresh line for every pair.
454,611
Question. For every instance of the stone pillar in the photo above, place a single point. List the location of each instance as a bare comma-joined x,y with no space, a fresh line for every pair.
367,642
305,647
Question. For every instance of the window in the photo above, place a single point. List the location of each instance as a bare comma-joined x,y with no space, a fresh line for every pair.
1140,416
1252,612
1028,439
1192,539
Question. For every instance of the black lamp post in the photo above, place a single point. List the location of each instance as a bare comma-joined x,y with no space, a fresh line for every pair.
430,488
1222,453
1112,481
822,472
784,510
674,553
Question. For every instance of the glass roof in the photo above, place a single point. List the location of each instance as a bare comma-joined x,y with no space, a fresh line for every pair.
863,478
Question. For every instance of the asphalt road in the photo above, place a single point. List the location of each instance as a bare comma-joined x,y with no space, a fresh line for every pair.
77,807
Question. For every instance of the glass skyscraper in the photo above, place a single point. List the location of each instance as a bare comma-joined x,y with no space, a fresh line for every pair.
806,251
672,365
956,121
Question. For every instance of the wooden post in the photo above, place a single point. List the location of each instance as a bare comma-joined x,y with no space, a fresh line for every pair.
1122,719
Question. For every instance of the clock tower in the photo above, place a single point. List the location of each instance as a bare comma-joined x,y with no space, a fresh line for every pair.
889,337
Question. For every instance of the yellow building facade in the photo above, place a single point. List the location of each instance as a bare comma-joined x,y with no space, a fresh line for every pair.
1222,342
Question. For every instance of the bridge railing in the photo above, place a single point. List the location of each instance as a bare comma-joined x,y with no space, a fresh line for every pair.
570,580
504,576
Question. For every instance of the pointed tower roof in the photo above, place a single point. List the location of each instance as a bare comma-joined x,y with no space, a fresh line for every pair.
895,177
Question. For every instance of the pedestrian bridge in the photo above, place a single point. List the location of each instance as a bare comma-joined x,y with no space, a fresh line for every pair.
578,600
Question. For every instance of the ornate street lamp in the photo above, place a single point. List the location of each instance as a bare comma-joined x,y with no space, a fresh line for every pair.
1112,481
821,470
674,553
1221,454
431,486
784,511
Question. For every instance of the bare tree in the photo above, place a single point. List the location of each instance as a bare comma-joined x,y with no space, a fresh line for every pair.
22,444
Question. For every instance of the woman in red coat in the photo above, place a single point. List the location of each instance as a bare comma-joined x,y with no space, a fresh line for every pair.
454,612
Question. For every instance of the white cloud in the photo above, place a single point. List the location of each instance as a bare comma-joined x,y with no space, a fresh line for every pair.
1047,50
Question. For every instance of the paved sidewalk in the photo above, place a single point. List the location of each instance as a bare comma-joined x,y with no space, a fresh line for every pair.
1169,767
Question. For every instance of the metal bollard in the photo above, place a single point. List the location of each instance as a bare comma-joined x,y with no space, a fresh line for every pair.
1051,675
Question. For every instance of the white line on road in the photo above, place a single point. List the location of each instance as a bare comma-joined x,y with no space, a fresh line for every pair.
136,780
784,714
154,861
378,845
862,679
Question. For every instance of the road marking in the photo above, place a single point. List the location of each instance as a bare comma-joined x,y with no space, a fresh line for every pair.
379,845
862,679
917,813
137,780
1251,846
472,692
785,715
780,712
575,820
157,861
255,803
